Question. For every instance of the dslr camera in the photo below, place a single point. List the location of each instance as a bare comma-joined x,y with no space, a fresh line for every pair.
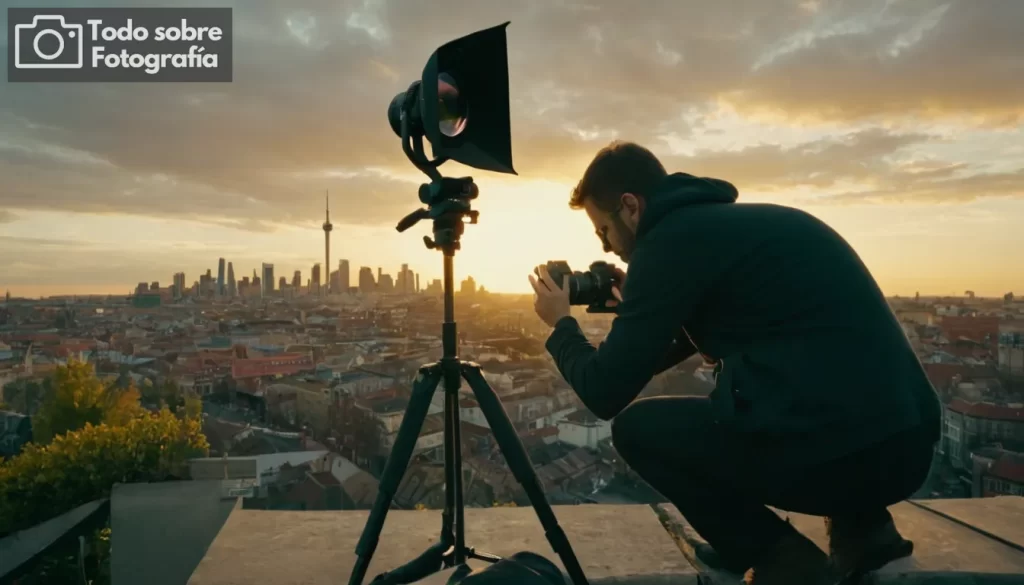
592,288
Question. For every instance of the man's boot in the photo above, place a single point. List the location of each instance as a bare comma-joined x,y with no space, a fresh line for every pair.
861,551
794,561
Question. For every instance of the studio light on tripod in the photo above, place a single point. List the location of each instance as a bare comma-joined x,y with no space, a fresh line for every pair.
461,106
462,102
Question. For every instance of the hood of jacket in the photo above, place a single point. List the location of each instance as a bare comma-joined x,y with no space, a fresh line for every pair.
681,190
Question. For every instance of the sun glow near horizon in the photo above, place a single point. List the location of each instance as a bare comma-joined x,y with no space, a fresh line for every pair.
523,223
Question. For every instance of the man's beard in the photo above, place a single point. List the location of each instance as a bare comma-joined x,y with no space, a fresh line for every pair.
627,239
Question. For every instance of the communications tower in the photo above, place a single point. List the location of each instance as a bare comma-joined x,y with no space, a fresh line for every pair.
327,243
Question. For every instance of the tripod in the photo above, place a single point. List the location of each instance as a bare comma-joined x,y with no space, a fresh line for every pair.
448,205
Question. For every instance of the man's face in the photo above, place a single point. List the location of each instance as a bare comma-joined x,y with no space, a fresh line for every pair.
616,228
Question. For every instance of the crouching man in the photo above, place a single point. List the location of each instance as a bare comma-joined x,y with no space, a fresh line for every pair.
820,404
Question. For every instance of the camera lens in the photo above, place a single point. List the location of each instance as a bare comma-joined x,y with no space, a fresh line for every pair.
452,109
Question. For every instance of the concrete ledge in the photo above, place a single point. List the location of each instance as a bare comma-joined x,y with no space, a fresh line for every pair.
945,552
614,544
1001,518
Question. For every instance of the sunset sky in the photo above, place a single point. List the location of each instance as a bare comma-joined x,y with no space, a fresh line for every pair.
897,122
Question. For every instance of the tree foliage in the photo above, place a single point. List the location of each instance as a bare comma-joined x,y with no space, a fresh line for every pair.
45,481
184,403
77,398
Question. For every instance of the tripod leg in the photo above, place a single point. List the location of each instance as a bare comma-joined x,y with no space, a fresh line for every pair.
522,469
405,442
454,519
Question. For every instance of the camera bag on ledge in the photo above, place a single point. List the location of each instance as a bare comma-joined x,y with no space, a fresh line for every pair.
523,568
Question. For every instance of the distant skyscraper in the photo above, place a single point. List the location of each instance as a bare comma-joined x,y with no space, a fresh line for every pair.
220,278
314,283
232,284
417,282
366,282
207,285
297,280
268,279
327,243
346,275
179,285
406,281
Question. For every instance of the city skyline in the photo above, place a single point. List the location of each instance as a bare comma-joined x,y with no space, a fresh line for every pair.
899,124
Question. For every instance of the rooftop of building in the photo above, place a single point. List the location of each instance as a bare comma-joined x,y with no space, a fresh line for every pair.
217,542
988,410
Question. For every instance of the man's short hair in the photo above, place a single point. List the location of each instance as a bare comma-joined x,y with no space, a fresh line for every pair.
621,167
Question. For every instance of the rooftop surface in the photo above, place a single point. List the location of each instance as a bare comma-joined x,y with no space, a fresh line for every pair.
977,541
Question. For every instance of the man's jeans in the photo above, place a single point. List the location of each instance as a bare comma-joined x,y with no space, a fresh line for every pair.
722,482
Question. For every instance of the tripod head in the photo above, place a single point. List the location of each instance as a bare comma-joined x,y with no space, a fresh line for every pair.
447,199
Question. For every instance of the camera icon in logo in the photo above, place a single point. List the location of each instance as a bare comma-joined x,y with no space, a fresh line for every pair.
48,43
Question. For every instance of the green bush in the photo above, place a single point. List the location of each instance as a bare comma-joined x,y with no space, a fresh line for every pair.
81,466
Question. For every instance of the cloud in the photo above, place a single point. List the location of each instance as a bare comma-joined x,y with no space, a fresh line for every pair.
857,157
7,216
313,78
251,201
898,58
21,243
933,188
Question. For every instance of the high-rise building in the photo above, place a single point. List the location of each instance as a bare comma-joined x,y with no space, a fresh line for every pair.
366,282
314,283
346,274
232,284
282,283
327,243
268,279
417,282
297,280
206,284
179,285
221,290
405,282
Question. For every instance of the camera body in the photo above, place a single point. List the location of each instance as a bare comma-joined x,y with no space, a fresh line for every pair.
592,288
50,42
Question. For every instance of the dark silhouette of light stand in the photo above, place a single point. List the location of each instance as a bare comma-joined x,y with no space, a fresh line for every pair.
448,205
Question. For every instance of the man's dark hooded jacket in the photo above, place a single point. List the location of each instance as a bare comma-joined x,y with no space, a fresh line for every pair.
810,356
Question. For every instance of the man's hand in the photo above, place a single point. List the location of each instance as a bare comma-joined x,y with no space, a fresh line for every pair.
551,301
620,280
